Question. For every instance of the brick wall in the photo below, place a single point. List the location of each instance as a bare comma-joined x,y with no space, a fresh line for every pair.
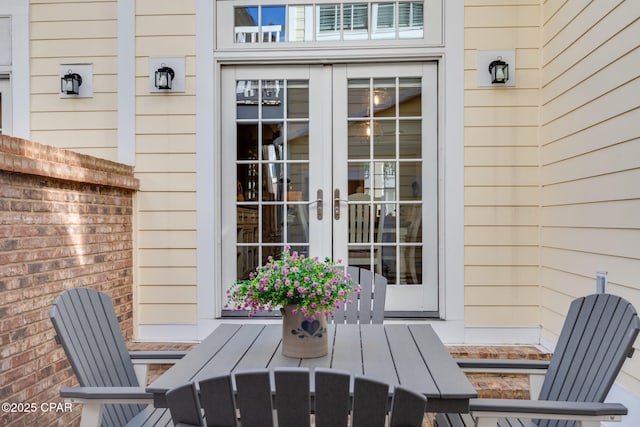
65,221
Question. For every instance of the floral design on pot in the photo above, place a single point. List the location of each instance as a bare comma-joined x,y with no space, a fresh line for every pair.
309,329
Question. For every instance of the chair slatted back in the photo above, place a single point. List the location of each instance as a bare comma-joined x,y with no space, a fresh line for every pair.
407,408
293,402
368,305
331,387
87,327
219,404
370,400
184,407
596,338
359,223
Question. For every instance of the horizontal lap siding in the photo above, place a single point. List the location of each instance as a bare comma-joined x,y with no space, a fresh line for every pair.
501,168
74,32
590,157
165,164
165,147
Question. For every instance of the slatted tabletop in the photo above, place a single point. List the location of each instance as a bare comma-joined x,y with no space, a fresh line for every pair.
409,355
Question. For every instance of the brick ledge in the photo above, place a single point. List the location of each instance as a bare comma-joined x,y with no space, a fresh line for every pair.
28,157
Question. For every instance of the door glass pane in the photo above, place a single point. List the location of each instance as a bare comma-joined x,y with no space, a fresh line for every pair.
298,141
410,181
384,97
410,94
385,172
272,223
271,96
384,139
272,169
358,98
358,139
247,99
410,139
297,99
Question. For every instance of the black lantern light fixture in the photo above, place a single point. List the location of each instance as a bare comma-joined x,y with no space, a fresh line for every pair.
164,77
499,71
70,83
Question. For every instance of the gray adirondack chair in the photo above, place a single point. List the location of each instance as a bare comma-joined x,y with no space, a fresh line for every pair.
290,396
368,305
111,390
596,338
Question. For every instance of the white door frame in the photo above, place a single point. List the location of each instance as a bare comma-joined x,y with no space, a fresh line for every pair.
402,300
327,170
450,56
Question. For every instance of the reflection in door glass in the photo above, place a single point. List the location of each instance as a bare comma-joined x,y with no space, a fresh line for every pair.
385,177
329,22
272,163
259,24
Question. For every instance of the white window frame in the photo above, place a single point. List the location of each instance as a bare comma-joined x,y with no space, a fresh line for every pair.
433,31
18,72
6,120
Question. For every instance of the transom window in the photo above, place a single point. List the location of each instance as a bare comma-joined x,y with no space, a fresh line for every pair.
329,22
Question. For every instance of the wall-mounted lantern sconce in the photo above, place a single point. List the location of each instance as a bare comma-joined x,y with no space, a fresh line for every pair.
76,80
164,77
496,68
70,83
499,71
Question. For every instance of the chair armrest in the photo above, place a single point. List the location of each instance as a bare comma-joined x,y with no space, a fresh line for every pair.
168,356
142,359
107,394
535,369
510,365
491,409
93,400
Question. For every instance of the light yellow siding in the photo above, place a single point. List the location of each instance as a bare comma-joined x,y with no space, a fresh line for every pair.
74,32
165,128
501,168
590,151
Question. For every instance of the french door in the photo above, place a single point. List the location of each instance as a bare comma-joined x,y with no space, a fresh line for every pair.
338,161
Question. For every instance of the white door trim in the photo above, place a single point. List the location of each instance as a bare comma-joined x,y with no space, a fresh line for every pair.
451,125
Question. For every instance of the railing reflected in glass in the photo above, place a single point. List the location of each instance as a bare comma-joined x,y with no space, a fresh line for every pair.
329,22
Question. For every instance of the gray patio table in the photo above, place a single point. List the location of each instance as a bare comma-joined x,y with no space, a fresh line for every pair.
410,355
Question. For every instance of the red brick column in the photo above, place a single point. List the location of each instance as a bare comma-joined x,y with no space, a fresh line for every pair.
65,221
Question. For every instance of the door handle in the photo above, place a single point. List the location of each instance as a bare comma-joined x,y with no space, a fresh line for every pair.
336,203
320,205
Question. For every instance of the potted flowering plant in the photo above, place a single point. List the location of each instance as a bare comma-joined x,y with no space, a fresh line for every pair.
307,290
